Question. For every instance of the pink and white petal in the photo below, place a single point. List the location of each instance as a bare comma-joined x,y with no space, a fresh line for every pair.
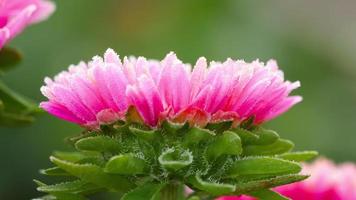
60,111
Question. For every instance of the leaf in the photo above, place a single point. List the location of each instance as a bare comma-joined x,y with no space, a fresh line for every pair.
62,196
93,174
173,159
250,186
299,155
278,147
99,144
13,119
126,164
8,58
261,167
70,156
211,187
148,191
15,103
69,196
268,195
54,171
77,186
194,198
229,143
196,135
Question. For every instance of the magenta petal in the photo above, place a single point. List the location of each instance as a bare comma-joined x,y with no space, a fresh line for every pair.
60,111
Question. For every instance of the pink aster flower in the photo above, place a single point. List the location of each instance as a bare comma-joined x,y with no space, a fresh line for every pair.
102,90
15,15
328,181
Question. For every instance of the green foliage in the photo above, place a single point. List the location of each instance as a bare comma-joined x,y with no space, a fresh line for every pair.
148,191
268,194
126,165
142,163
15,110
8,58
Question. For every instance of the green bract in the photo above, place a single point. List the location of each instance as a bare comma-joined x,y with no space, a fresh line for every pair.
138,162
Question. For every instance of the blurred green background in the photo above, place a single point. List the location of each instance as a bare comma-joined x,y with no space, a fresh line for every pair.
313,41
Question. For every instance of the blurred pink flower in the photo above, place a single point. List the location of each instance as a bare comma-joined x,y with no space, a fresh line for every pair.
15,15
327,182
102,90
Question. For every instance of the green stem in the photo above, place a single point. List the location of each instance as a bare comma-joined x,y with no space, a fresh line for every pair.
172,191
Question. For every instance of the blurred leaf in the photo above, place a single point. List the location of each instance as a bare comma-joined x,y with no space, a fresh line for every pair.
268,195
211,187
14,102
13,119
99,144
175,159
278,147
229,143
260,167
147,191
125,164
62,196
299,155
14,109
93,174
8,58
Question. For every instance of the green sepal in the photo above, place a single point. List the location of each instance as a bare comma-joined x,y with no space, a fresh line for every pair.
265,136
195,135
125,164
147,135
54,171
93,174
255,185
229,143
299,156
261,167
219,127
173,128
174,159
99,144
147,191
268,195
211,187
9,57
247,137
278,147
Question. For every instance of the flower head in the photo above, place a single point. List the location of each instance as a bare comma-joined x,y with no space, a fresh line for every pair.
328,181
102,90
15,15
